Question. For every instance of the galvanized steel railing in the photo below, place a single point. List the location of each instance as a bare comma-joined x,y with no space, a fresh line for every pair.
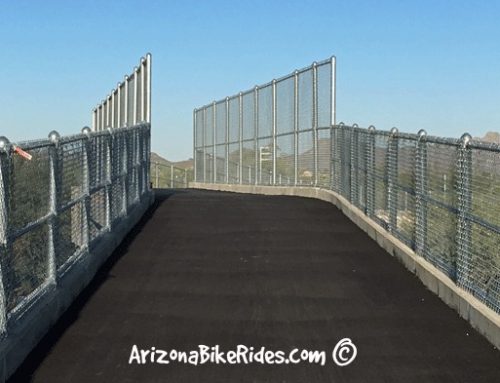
58,204
439,196
170,176
60,196
234,139
130,103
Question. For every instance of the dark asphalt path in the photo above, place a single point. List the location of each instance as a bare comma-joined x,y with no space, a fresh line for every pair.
281,272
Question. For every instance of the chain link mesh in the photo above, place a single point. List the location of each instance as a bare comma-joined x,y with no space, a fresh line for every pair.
57,204
436,195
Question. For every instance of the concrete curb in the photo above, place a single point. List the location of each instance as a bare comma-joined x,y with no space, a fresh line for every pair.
24,333
480,316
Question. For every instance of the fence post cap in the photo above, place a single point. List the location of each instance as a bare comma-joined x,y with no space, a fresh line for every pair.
143,60
466,139
422,133
340,123
256,87
394,131
314,64
4,144
54,136
86,130
354,125
371,128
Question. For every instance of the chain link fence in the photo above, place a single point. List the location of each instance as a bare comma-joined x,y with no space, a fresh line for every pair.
170,176
439,196
274,134
56,205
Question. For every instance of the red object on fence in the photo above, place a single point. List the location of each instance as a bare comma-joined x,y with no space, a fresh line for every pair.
22,153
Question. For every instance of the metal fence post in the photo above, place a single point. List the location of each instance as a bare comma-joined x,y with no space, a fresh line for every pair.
5,166
195,146
119,106
392,174
113,98
226,162
344,147
256,132
145,157
464,191
124,153
295,127
421,195
55,185
156,175
274,120
214,137
370,172
185,178
315,121
333,95
204,145
136,95
86,185
143,89
109,179
354,159
240,135
172,176
148,88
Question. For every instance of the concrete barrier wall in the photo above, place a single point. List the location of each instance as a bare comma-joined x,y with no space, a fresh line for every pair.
481,317
25,333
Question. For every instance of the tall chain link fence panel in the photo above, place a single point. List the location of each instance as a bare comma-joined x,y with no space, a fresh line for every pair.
58,204
438,196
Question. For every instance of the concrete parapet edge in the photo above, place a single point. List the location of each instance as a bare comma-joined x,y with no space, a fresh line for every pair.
25,333
480,316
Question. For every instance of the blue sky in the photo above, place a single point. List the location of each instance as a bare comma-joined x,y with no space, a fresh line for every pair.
410,64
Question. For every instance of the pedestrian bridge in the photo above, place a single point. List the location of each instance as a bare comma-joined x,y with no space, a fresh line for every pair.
283,272
302,250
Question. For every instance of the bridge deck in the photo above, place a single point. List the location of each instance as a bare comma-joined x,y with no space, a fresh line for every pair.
281,272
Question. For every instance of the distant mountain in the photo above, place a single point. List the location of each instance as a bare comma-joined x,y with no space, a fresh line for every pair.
186,164
492,137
